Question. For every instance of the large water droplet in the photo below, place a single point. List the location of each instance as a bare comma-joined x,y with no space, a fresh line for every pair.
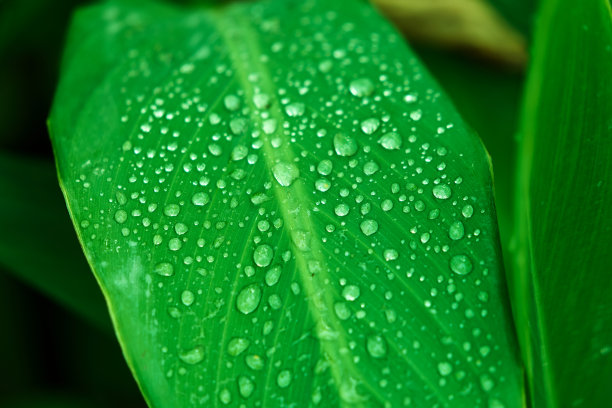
231,102
254,362
237,345
351,292
248,299
442,191
361,87
376,346
187,297
164,269
262,256
193,356
172,210
461,264
344,145
445,368
273,275
295,109
284,379
370,168
467,211
456,230
341,209
200,199
370,125
239,152
391,141
342,310
285,173
245,386
325,167
368,227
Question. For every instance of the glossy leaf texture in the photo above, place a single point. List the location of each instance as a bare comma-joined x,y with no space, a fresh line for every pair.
282,209
562,279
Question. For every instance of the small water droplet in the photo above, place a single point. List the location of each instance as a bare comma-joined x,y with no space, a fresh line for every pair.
237,345
164,269
295,109
285,173
322,185
172,210
187,297
248,299
368,227
390,254
344,145
231,102
461,264
193,356
245,386
376,346
445,368
341,209
442,191
416,115
456,230
200,199
261,101
121,216
361,87
273,275
284,379
254,362
262,256
369,126
370,168
325,167
351,292
269,126
390,141
467,211
238,125
225,396
342,310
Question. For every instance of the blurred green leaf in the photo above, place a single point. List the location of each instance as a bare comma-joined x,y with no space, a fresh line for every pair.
37,241
281,208
562,282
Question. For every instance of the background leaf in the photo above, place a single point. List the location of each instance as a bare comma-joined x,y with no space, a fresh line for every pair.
562,279
282,209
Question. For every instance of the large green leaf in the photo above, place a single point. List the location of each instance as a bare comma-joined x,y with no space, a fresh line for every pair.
562,281
282,209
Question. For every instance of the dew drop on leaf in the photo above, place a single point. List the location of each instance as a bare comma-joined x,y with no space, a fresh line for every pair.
262,256
342,310
361,87
187,297
351,292
237,345
370,168
284,379
164,269
376,346
390,254
369,126
239,152
445,368
245,386
248,299
285,173
467,211
273,275
368,227
200,199
461,264
325,167
341,210
442,191
172,210
391,141
231,102
193,356
456,230
295,109
254,362
344,145
121,216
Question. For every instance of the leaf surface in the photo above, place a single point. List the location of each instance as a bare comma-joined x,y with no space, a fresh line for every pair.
562,279
282,209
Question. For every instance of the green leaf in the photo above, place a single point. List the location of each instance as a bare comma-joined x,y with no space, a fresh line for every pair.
34,221
282,209
562,279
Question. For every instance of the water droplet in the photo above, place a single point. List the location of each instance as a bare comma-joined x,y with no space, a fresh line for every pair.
486,382
193,356
361,87
164,269
368,227
239,152
376,346
269,126
370,168
261,101
351,292
322,185
180,228
255,362
370,125
231,102
262,256
273,275
187,297
445,368
456,230
295,109
237,345
215,149
461,264
416,115
121,216
344,145
245,386
225,396
172,210
284,379
200,199
467,211
442,191
238,125
390,254
285,173
341,209
342,310
325,167
386,205
248,299
390,141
